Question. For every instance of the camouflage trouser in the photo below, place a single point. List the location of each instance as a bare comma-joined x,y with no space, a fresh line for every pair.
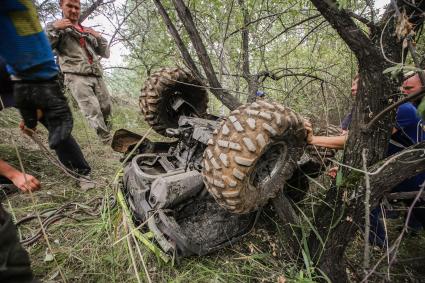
93,99
14,261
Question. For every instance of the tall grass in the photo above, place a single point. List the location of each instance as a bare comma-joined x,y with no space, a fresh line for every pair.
88,249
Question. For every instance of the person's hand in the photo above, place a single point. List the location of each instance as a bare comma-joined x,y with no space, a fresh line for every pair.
92,32
28,131
62,24
25,182
309,129
333,172
25,130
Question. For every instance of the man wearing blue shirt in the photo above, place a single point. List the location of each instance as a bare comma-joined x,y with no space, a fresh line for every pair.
409,130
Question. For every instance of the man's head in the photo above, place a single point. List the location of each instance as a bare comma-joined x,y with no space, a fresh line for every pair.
411,85
70,10
355,85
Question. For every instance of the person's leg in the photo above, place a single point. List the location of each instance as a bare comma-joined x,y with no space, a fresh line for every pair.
6,188
105,102
15,265
82,88
4,180
417,218
419,212
377,234
71,156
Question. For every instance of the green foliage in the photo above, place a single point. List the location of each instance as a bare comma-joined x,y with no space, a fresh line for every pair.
399,69
421,109
297,53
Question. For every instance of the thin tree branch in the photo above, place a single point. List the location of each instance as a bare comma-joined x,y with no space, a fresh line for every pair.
287,29
258,20
86,13
361,19
341,21
179,42
251,81
186,17
366,252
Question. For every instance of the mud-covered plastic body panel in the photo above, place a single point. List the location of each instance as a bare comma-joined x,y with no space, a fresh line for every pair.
165,189
185,218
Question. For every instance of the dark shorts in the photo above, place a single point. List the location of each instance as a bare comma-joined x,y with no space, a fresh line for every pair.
14,260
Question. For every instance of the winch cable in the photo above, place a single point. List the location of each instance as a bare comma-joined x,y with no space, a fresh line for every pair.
71,210
93,208
43,232
56,162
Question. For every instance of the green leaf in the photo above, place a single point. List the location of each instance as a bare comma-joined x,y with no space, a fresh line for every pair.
48,257
421,109
399,68
396,68
411,68
339,178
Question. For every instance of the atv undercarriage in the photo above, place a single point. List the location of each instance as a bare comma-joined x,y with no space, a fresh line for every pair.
203,191
164,187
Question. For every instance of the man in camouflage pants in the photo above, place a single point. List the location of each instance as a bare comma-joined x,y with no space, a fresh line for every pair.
79,50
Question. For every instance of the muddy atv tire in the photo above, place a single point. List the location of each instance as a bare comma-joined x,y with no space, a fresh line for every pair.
252,154
162,89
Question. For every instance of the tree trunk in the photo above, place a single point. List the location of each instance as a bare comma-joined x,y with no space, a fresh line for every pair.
289,222
86,13
337,227
249,78
223,95
179,42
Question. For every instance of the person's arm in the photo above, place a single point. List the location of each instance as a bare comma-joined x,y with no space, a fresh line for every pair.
102,48
53,35
55,29
24,182
333,142
406,116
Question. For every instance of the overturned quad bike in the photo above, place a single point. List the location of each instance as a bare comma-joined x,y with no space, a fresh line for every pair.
203,190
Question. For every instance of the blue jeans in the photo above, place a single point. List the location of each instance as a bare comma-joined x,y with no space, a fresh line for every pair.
377,234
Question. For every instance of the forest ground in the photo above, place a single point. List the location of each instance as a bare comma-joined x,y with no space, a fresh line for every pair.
95,249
